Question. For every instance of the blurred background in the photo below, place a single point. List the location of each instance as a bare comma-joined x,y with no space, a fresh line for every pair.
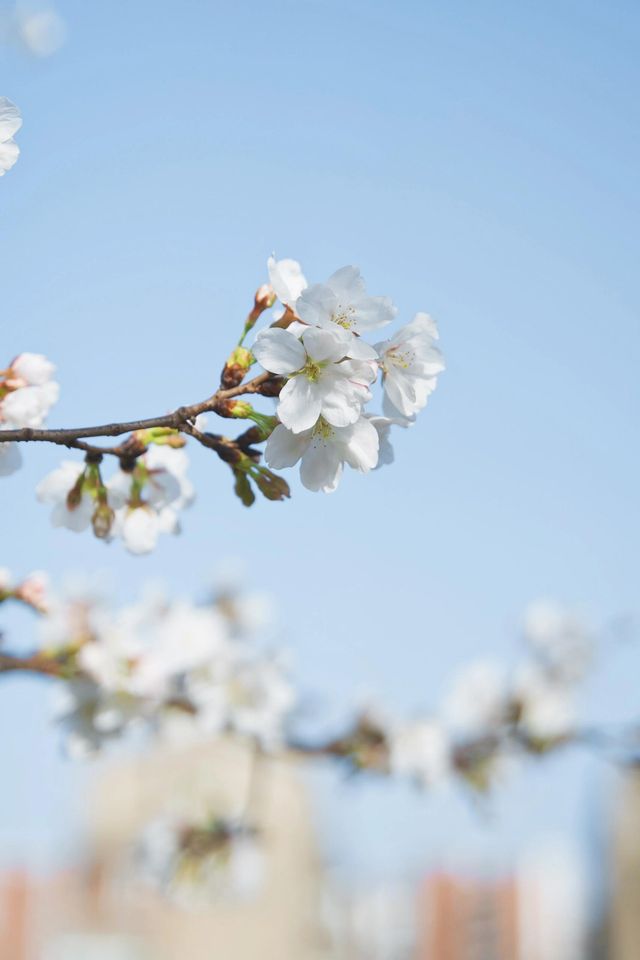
478,161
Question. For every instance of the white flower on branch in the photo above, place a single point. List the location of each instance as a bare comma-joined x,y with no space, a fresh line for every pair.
27,391
10,123
476,703
148,500
323,451
56,488
410,365
560,639
33,369
287,279
343,301
321,381
546,707
420,751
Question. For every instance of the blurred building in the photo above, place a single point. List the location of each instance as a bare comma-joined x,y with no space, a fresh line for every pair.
623,927
105,913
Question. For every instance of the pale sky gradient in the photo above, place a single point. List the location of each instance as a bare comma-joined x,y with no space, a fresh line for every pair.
477,161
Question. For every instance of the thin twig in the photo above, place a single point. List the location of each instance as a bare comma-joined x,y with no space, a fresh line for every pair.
70,436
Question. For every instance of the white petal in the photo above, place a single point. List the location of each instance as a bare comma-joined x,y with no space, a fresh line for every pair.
57,484
9,153
278,351
326,346
373,312
10,458
77,519
140,530
287,279
359,349
284,448
316,304
342,404
10,119
400,393
321,467
33,368
300,404
422,323
346,283
360,445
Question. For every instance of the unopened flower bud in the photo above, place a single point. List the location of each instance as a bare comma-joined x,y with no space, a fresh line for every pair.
270,484
34,590
102,520
161,436
265,297
74,497
242,488
236,367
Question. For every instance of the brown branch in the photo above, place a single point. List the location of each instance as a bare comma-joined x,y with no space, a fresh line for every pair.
71,436
33,663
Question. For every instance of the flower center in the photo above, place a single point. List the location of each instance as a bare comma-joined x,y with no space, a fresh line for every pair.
344,316
323,430
312,370
401,357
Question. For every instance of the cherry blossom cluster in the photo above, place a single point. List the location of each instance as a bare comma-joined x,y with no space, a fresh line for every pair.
139,502
490,715
317,367
194,862
317,346
10,123
27,394
173,668
184,671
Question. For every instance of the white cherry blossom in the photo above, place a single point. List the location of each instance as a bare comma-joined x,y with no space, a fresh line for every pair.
28,406
476,702
560,639
27,393
287,279
323,451
420,750
54,489
343,301
410,364
10,123
33,368
321,381
547,708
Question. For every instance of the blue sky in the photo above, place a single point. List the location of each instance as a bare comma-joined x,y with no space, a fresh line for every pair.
478,161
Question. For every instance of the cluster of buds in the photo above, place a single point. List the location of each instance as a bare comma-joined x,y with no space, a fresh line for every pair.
141,500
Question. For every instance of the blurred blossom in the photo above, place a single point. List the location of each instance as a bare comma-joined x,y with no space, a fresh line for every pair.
197,863
476,700
147,661
561,639
421,752
39,29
